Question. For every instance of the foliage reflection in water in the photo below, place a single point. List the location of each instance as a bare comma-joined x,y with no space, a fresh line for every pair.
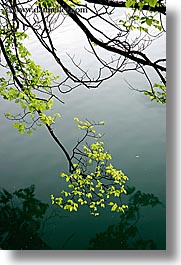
24,217
20,219
126,235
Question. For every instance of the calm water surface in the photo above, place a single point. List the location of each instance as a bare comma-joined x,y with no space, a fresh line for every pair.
134,135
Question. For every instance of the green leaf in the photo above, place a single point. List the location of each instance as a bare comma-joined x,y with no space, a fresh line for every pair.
101,122
152,3
149,21
114,207
9,115
57,115
130,3
16,125
30,132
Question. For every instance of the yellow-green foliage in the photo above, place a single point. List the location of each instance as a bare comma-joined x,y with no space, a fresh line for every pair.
141,3
95,182
31,78
72,3
48,3
143,22
158,92
54,3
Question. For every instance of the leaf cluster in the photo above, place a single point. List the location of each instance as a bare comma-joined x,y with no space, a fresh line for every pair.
158,93
24,84
141,3
94,181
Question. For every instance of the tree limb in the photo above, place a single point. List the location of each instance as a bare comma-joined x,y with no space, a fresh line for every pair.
128,54
116,3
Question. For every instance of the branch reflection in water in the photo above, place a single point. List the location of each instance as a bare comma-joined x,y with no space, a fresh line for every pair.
126,235
22,220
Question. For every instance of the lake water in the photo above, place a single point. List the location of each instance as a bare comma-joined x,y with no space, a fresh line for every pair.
134,135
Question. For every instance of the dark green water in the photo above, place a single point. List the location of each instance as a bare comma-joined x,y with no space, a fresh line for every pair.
134,135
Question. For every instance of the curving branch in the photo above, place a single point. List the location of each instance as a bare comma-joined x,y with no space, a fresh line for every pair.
130,53
134,55
116,3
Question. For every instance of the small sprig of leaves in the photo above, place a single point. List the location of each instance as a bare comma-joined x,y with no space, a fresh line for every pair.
54,3
94,181
141,3
140,21
158,93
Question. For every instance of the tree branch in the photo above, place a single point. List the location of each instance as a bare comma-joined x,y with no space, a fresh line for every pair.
71,166
116,3
128,54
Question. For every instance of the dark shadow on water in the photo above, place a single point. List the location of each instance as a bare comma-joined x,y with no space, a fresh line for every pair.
126,235
23,221
20,220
